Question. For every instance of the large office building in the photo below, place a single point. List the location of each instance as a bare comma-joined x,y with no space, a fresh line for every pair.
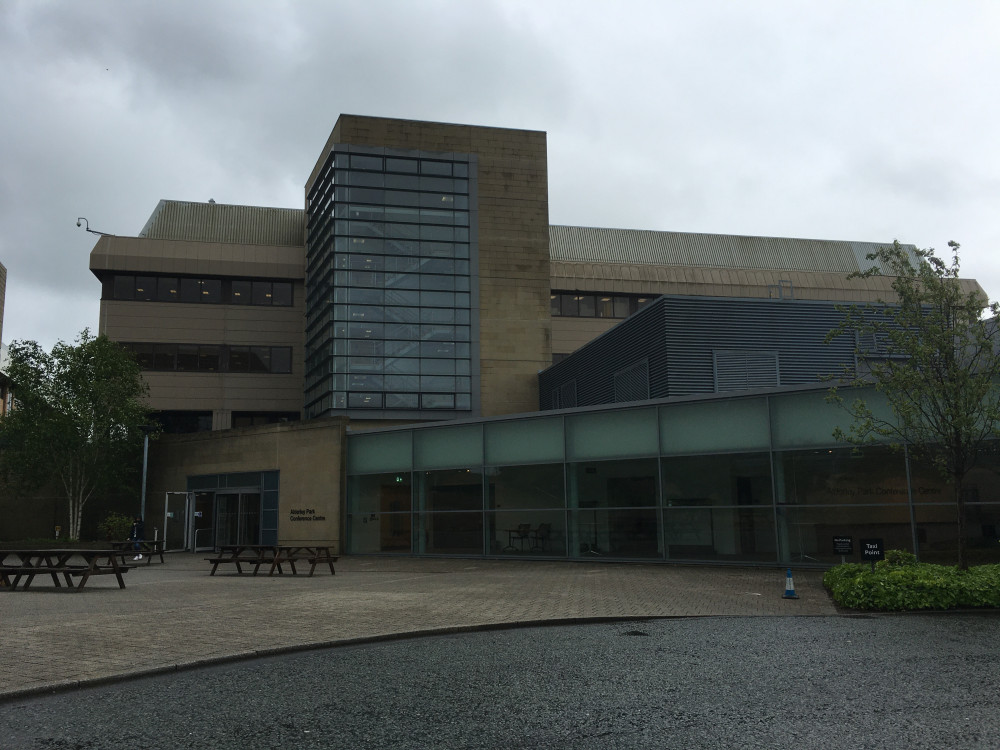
364,371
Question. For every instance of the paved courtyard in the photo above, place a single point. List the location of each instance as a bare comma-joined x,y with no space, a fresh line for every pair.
175,615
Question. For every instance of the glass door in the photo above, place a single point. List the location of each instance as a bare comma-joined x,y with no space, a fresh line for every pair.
202,523
176,521
237,517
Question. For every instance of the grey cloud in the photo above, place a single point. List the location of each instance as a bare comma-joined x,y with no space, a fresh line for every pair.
847,121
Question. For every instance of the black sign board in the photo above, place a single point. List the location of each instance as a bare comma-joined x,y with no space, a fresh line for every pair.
843,545
871,549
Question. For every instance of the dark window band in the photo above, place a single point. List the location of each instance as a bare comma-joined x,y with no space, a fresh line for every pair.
275,360
196,290
597,304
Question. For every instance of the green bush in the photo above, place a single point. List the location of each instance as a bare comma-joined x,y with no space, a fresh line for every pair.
115,526
897,558
900,583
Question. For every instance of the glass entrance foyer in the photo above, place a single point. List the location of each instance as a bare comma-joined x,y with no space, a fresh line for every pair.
754,479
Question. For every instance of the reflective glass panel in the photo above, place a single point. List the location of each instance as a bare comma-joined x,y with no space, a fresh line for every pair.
241,292
720,534
379,452
807,534
620,533
451,533
607,484
714,426
839,476
532,533
611,434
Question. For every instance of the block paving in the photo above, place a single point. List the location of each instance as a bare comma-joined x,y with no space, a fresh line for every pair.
176,615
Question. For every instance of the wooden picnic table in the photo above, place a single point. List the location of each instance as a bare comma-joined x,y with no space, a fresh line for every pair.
27,563
312,554
149,549
274,555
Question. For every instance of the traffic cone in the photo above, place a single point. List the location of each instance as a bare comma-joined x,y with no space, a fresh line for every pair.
789,587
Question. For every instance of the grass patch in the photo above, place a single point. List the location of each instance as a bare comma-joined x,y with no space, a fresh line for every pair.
899,583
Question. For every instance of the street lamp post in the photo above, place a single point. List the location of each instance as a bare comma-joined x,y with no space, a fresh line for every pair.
146,429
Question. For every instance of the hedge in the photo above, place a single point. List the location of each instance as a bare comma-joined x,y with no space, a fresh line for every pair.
900,583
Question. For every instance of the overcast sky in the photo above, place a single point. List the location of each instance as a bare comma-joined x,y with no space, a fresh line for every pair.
835,120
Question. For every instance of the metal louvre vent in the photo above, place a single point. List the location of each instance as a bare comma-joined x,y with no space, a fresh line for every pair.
632,383
742,370
564,397
876,345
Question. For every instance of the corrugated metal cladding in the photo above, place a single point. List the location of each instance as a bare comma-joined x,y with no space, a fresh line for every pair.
596,245
217,222
594,366
744,369
683,336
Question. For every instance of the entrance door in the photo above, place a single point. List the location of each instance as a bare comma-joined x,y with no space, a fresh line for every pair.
237,517
176,521
202,524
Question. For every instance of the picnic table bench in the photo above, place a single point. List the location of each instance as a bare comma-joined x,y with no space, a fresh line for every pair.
258,555
149,549
58,563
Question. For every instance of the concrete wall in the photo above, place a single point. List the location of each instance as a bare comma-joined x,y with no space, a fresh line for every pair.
237,325
308,455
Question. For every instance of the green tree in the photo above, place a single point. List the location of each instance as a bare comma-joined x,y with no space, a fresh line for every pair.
934,358
77,419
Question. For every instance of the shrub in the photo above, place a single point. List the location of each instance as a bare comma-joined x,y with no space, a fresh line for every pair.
115,526
901,583
897,558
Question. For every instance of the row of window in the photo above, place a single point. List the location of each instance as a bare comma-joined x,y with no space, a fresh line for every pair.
589,305
401,164
438,326
405,214
390,304
178,422
408,362
358,382
395,247
400,264
379,197
396,401
390,348
381,280
400,181
200,290
387,230
400,323
400,374
212,358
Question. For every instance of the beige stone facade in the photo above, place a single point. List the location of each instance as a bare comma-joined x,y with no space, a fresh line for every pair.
220,393
308,456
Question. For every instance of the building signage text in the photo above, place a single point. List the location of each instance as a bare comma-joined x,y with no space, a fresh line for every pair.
304,514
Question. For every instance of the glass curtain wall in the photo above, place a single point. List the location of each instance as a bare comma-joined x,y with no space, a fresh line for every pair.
391,303
753,479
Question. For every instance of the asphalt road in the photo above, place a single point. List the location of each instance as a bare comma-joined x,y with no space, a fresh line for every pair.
911,681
